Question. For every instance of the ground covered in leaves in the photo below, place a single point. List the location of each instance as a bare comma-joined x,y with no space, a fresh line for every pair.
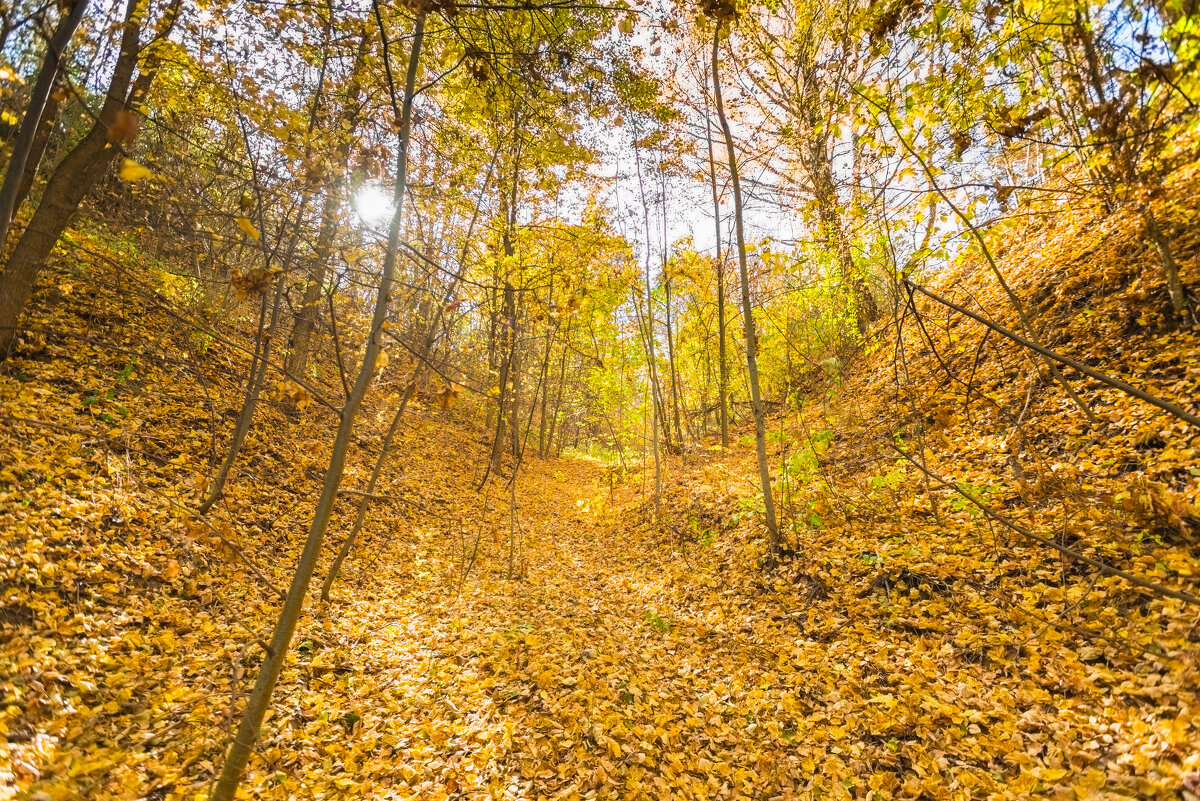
582,644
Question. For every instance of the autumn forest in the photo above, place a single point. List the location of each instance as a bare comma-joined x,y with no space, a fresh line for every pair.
599,399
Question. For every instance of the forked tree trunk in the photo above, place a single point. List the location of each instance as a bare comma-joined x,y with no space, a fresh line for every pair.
35,109
74,177
760,434
260,698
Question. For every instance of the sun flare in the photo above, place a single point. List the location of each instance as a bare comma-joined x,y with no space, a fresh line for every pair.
373,205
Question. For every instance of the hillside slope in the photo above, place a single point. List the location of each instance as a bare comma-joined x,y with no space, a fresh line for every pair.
908,646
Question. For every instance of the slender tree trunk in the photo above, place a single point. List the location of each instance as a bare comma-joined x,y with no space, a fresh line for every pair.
676,386
719,261
508,325
514,413
423,356
266,340
7,24
493,340
562,379
307,316
361,516
544,395
764,472
260,698
35,109
259,365
41,141
1167,260
659,406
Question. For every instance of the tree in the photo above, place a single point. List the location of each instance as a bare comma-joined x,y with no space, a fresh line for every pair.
721,15
83,166
25,153
260,698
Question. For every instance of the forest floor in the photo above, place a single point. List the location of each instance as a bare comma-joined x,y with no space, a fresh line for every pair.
595,647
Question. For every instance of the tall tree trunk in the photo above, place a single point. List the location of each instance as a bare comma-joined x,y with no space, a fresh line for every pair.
514,412
545,392
260,698
309,312
508,323
259,364
760,433
508,328
305,322
562,380
660,409
41,141
676,386
74,177
829,210
266,340
423,356
719,261
23,148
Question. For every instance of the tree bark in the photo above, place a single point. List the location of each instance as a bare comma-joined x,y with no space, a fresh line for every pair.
829,210
764,472
41,141
260,698
74,177
306,318
35,109
676,385
719,261
562,379
305,322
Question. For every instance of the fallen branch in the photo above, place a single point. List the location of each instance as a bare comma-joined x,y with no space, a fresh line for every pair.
1107,569
1117,383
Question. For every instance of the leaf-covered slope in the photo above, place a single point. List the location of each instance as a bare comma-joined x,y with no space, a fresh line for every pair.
949,655
910,647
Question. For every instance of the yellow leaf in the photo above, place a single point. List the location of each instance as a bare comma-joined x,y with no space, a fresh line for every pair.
247,226
132,171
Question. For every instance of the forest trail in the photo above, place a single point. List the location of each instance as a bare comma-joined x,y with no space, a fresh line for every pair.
452,286
583,676
636,660
901,651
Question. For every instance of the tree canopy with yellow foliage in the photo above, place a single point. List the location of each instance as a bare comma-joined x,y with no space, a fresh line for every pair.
563,400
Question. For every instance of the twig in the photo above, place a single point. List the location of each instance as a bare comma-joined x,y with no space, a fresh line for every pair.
1109,570
1083,368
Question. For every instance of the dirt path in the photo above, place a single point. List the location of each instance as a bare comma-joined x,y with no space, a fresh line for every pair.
592,676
